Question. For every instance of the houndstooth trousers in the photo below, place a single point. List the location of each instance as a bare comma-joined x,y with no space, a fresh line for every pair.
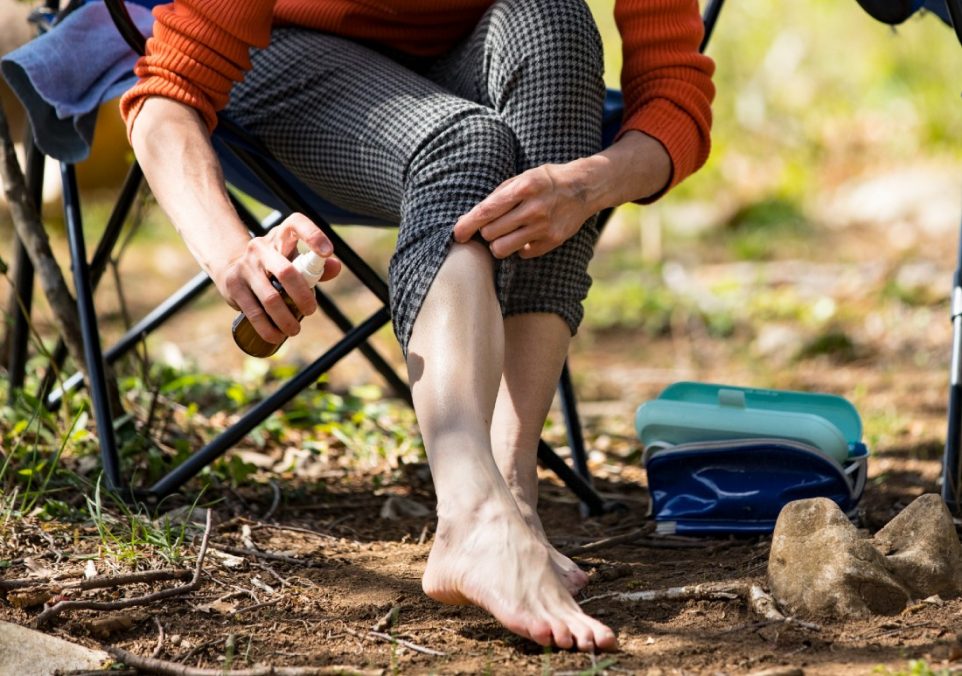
419,142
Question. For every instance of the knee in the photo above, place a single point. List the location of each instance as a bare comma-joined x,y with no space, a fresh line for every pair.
468,268
556,31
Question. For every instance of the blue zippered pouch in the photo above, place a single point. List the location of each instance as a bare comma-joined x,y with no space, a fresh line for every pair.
723,459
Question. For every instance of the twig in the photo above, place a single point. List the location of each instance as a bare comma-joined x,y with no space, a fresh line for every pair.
160,639
371,635
293,529
762,603
758,600
708,590
624,538
164,668
275,503
62,606
30,231
132,578
389,619
271,556
197,650
254,606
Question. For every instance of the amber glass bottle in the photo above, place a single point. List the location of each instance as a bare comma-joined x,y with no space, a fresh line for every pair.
311,267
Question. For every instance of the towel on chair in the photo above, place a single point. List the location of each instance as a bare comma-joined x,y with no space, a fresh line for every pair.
64,75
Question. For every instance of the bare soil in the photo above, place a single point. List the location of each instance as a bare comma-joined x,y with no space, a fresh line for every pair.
350,566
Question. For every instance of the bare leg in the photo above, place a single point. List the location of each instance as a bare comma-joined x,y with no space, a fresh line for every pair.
484,553
534,353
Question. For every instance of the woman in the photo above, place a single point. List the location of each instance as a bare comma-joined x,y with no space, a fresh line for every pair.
476,126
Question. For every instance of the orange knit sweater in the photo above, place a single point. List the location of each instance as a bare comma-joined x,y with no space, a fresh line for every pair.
200,49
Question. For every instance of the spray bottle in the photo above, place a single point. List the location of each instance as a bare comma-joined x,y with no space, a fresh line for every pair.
311,267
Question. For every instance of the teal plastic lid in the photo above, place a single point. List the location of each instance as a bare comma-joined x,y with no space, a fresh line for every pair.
695,412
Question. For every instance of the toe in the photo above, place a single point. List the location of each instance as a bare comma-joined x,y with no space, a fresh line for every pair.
540,632
605,638
583,635
562,635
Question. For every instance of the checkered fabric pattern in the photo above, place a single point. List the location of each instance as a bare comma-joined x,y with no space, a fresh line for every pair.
419,142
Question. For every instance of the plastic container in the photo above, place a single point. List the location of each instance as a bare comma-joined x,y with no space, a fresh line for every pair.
689,412
723,459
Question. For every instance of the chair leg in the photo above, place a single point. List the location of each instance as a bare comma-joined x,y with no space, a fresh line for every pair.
98,265
951,466
222,443
21,297
591,503
329,308
136,333
20,305
394,381
569,408
88,328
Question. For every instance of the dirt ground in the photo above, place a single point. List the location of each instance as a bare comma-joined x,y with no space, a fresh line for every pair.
331,566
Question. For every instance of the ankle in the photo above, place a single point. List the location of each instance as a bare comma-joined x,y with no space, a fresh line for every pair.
477,509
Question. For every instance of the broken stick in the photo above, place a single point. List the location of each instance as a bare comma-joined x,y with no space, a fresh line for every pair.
757,599
62,606
150,665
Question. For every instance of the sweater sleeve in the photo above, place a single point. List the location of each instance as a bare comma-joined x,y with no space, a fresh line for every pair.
666,81
199,49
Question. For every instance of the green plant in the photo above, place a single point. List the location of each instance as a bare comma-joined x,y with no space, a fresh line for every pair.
127,533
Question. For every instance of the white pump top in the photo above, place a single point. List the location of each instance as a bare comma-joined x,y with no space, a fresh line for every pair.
311,267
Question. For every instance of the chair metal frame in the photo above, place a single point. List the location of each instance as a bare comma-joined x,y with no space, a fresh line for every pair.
87,274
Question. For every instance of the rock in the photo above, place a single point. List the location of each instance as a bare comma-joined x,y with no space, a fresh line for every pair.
819,566
922,549
397,506
19,648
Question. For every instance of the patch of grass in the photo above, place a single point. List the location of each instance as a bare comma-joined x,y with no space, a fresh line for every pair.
833,343
913,668
764,229
644,303
128,533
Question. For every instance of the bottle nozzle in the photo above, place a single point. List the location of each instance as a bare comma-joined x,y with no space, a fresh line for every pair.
310,265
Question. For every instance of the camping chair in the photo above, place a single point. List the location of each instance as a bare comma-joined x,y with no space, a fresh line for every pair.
248,167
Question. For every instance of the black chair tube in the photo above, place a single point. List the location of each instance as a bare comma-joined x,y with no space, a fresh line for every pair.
710,18
21,296
295,202
88,329
136,333
955,13
260,412
582,489
98,264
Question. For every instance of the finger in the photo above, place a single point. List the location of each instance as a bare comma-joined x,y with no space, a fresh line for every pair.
513,241
332,267
502,200
277,310
248,304
308,232
538,247
526,213
283,238
292,281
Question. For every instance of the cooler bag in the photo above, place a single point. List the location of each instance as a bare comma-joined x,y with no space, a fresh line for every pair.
723,459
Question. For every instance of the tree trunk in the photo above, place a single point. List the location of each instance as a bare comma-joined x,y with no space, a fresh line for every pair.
30,231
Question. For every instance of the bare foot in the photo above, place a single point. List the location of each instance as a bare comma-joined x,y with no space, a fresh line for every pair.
572,576
490,558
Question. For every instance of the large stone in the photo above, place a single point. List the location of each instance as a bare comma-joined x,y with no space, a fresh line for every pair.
922,548
820,567
26,652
